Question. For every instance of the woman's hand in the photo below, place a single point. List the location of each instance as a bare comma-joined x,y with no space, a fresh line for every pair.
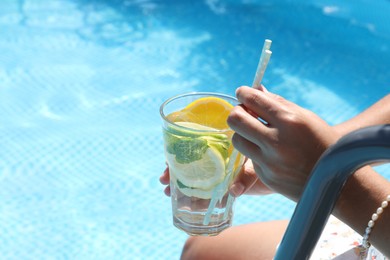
164,179
285,148
247,182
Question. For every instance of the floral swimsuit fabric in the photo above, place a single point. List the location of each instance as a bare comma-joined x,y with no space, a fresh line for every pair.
339,242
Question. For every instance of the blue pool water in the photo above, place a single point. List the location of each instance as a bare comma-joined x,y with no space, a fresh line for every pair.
80,87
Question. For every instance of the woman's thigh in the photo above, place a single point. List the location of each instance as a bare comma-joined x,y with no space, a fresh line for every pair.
249,241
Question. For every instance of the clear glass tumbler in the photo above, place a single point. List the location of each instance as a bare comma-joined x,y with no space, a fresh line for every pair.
202,163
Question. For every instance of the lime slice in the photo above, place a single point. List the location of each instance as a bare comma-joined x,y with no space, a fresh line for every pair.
203,174
195,126
189,145
192,192
197,193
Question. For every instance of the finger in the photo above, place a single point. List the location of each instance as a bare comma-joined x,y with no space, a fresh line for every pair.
246,147
259,171
246,125
262,184
263,104
164,178
167,191
244,181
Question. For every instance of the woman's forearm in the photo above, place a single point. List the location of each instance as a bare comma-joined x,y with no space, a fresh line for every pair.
378,113
366,189
361,196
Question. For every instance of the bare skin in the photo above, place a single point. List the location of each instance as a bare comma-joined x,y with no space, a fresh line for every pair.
238,242
292,135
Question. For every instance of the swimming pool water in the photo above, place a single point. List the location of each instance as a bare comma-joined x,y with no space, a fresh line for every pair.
80,87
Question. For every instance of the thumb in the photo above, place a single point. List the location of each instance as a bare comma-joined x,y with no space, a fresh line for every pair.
244,181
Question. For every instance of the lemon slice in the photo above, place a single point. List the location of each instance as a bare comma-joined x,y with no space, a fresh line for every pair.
203,174
192,192
207,111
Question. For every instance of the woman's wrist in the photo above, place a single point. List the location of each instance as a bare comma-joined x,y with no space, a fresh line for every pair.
364,191
358,198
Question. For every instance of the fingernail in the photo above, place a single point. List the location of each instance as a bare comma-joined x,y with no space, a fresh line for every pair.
237,189
264,89
235,93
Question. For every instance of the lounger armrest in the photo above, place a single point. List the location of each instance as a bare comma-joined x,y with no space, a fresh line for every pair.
336,165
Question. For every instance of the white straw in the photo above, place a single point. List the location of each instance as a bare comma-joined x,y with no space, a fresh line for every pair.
266,46
263,62
221,188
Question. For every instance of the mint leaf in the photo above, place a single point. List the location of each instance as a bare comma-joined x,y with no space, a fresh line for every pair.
170,140
188,150
185,149
181,185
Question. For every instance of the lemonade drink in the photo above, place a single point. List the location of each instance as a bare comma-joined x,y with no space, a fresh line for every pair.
202,161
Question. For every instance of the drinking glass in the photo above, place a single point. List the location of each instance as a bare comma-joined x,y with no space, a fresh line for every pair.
202,165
